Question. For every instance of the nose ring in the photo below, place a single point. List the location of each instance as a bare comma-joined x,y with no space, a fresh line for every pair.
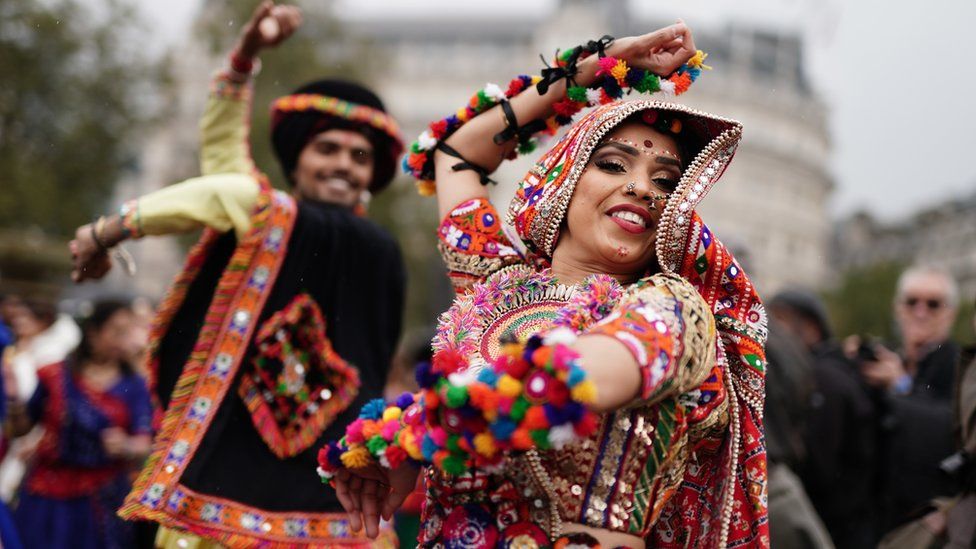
631,186
652,203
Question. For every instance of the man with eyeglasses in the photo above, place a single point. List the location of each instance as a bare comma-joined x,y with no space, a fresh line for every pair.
915,393
925,306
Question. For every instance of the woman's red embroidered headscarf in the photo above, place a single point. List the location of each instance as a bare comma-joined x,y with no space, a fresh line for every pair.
727,491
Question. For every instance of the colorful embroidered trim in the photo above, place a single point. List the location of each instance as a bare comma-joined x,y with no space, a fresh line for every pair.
533,396
617,75
205,379
299,384
334,106
217,518
131,219
50,476
474,227
224,86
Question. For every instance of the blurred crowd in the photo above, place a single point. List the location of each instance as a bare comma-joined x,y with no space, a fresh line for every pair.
870,442
77,420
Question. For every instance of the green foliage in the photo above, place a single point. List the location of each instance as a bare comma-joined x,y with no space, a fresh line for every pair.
862,302
72,100
963,329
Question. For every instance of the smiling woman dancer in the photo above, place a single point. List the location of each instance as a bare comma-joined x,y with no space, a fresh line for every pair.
603,385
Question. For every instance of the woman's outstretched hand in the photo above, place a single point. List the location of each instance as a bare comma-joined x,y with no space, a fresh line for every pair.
660,52
269,26
372,492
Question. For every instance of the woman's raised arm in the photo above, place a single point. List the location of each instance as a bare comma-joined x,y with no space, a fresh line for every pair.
463,160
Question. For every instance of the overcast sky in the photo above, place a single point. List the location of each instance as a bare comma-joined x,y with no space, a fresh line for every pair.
897,76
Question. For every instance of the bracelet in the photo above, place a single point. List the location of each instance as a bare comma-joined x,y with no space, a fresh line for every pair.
565,65
100,222
513,130
240,64
420,160
131,225
534,395
130,219
617,76
464,164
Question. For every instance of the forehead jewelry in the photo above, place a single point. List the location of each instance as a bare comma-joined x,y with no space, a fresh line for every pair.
647,148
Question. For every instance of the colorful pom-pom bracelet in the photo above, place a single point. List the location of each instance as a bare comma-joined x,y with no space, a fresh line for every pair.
534,395
617,77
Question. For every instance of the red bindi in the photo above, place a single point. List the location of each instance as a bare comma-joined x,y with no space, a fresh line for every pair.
648,143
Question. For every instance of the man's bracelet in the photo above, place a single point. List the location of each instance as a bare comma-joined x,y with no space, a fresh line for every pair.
96,229
241,64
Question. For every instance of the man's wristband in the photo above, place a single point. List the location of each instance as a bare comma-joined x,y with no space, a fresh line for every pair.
241,64
94,234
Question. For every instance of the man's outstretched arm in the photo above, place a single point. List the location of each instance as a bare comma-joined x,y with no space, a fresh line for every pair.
222,202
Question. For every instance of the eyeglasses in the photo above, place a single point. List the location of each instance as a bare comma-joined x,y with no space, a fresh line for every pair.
931,304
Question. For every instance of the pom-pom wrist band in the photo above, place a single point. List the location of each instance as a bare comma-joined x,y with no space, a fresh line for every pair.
617,77
566,63
534,395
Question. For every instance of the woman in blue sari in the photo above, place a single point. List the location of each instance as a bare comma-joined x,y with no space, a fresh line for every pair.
96,415
8,533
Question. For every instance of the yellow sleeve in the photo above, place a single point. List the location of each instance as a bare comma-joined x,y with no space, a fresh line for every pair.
224,146
222,202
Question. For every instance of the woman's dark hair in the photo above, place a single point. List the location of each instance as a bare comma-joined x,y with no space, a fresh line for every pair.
102,312
44,311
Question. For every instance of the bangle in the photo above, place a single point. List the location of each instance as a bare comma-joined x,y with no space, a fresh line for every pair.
95,229
241,64
512,129
120,252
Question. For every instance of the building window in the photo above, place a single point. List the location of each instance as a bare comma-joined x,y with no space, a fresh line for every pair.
764,49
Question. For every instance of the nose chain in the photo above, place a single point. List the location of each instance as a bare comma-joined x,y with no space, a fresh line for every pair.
654,197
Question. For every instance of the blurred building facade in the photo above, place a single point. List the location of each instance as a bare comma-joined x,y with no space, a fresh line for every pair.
772,203
944,235
169,152
771,206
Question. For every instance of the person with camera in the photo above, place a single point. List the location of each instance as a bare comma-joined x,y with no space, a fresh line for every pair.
839,419
915,387
960,526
